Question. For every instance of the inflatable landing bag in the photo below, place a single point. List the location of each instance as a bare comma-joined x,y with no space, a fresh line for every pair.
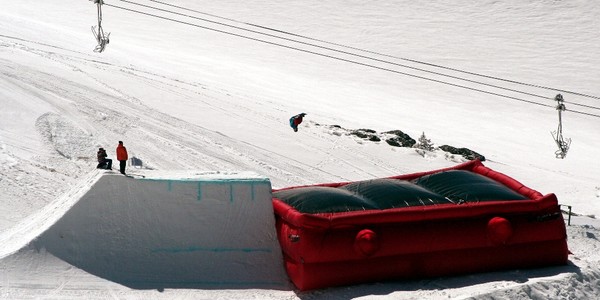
458,220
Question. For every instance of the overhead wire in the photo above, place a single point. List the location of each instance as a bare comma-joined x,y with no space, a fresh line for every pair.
334,57
362,56
382,54
340,51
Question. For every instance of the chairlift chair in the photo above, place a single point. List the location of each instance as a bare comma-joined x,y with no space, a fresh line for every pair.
101,38
562,143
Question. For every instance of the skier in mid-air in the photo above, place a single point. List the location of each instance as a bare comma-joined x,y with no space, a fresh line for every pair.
296,120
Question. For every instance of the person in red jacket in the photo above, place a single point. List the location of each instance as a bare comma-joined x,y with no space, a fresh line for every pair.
122,157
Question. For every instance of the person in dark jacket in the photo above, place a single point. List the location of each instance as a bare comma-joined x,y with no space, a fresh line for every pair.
296,120
122,157
103,161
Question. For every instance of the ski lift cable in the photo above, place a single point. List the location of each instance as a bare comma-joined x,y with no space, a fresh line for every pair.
341,51
341,59
317,53
387,55
199,12
583,113
583,105
344,52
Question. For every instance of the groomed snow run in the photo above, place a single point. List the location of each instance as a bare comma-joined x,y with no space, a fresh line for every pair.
185,98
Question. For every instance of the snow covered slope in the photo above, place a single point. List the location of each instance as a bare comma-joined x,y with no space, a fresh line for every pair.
182,97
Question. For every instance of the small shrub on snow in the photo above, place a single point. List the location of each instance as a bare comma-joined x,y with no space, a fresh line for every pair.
424,143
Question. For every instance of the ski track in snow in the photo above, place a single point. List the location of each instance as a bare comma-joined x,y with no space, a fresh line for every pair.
122,114
191,146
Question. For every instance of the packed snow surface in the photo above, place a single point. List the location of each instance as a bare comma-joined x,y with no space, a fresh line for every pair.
197,86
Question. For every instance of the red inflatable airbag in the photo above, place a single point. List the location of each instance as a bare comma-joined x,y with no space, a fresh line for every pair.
468,233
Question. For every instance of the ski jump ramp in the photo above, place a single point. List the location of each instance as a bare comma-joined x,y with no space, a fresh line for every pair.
207,230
